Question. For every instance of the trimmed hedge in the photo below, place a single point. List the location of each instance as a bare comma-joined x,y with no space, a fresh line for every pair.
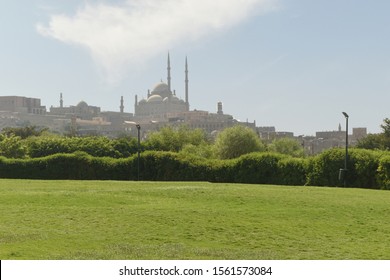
362,168
76,166
366,169
95,146
260,168
384,172
158,166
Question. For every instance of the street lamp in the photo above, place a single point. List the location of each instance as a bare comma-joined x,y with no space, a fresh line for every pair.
346,149
139,142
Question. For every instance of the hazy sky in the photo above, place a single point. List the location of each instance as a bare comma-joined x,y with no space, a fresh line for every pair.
292,64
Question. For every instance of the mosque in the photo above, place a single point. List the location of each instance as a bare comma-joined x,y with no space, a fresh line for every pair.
162,107
161,100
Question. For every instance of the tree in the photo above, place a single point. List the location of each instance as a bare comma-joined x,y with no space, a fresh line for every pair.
386,127
12,147
372,142
174,139
287,146
236,141
379,141
24,132
204,150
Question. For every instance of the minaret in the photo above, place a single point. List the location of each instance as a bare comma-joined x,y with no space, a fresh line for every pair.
122,107
219,108
169,73
186,85
61,101
136,105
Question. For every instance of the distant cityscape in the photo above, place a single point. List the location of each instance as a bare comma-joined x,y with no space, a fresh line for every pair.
160,108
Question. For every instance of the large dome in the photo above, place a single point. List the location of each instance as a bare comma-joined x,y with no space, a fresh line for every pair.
161,89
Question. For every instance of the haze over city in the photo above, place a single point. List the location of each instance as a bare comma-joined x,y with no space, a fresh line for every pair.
295,65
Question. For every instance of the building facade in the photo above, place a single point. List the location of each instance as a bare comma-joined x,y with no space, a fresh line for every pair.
20,104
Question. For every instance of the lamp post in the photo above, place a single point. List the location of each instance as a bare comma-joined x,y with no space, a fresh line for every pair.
139,144
346,149
139,148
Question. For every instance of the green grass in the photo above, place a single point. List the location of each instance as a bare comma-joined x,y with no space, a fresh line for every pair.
182,220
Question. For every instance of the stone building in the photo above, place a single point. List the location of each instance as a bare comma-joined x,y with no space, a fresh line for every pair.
21,104
332,139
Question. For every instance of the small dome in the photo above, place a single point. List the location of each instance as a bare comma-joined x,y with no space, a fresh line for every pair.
82,104
166,99
155,98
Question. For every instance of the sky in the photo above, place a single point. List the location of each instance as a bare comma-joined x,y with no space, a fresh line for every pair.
292,64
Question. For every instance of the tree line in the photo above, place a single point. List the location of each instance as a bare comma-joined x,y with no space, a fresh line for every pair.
34,142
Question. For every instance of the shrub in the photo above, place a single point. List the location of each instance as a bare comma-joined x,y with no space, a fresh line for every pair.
384,172
236,141
292,171
12,147
257,168
76,166
366,169
287,146
97,146
174,138
362,166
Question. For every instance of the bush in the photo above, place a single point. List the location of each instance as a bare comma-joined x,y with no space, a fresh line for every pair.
236,141
97,146
287,146
169,166
76,166
12,146
175,138
366,169
292,171
384,172
257,168
362,166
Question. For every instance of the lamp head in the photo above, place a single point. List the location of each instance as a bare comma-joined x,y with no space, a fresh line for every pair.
345,115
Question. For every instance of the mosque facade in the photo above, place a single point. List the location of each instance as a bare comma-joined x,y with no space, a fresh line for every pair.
162,100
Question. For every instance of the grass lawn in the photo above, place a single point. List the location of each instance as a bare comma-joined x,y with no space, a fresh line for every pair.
190,220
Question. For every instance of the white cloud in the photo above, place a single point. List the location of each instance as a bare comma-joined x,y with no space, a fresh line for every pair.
136,30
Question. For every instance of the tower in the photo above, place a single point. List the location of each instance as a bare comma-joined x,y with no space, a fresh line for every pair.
122,107
186,85
169,73
61,101
219,108
136,104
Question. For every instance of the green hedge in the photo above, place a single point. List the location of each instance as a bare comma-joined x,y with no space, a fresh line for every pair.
158,166
260,168
366,169
384,172
96,146
362,165
76,166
